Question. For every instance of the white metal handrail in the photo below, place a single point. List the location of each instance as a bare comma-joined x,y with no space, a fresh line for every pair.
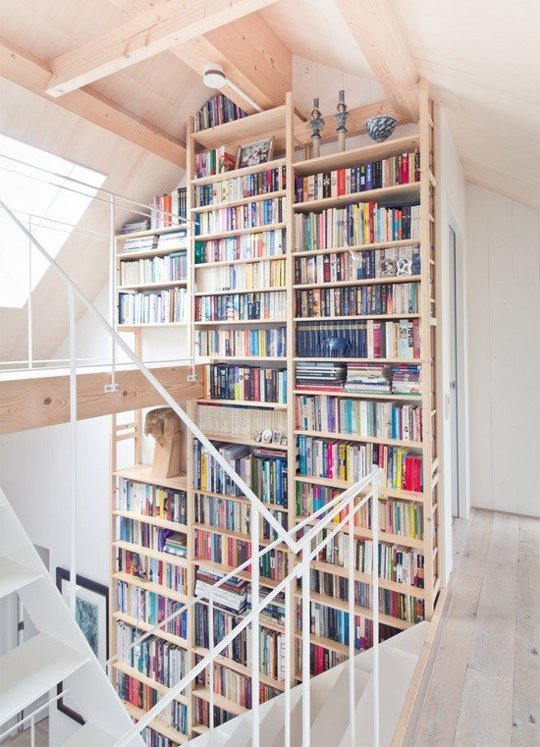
32,718
307,554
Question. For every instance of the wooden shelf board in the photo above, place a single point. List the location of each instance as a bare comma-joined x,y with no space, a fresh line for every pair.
219,700
360,439
361,360
149,253
239,499
405,191
244,129
241,668
240,201
163,591
352,318
344,484
147,325
234,173
244,403
151,286
357,247
222,568
153,520
233,533
268,358
143,473
157,724
356,156
151,553
215,322
246,440
361,395
237,291
145,627
250,260
151,232
360,281
240,232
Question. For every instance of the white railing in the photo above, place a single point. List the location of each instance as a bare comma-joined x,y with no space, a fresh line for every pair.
302,550
31,717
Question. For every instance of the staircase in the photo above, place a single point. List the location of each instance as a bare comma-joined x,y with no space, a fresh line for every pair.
330,722
59,651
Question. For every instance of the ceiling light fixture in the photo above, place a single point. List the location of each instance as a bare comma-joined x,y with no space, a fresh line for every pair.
214,77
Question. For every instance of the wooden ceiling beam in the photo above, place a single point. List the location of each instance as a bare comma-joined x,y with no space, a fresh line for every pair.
166,26
355,123
379,36
253,57
28,72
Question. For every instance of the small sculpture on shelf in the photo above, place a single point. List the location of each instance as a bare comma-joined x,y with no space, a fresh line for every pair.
316,122
164,425
341,118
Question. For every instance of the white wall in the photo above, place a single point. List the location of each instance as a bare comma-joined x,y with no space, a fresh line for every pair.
503,292
451,210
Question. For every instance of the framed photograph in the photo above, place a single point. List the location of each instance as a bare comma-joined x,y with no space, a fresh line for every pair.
254,153
92,615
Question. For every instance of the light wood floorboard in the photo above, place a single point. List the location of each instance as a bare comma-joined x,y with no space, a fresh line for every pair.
485,686
22,739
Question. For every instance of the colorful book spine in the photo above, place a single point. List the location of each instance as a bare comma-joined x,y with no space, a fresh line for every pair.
216,111
251,275
267,243
232,382
242,187
241,307
394,298
155,571
152,500
171,268
390,262
158,307
245,343
249,215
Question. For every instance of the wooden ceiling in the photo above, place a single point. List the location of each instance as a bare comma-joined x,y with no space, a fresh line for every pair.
110,83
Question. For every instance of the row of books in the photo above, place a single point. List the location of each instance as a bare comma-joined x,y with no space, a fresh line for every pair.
402,169
243,421
140,533
320,659
216,111
158,307
252,383
355,225
244,343
262,469
358,378
394,298
359,339
237,687
150,608
232,552
396,604
359,417
171,267
150,569
250,215
137,224
344,460
327,622
201,714
171,241
267,243
221,513
213,162
241,306
145,697
232,595
169,209
157,659
241,187
152,500
365,265
264,274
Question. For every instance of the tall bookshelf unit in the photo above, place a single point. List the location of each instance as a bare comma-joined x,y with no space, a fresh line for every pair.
273,292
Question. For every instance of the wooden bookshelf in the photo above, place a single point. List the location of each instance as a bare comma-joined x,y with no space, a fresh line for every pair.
422,503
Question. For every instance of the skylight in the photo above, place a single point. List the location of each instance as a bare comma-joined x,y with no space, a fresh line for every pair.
57,211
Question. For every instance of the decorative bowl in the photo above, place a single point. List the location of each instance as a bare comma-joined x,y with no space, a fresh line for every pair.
380,127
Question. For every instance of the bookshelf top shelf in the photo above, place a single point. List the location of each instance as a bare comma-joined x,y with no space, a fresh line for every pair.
143,473
245,129
356,156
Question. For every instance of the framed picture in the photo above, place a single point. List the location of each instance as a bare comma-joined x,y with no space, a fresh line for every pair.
92,615
254,153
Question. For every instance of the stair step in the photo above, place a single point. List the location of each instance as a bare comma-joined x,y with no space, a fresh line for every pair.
32,669
89,736
330,723
411,640
14,576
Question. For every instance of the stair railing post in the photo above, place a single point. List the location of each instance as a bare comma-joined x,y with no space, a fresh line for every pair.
255,598
211,644
112,285
351,590
306,630
73,449
32,731
375,604
288,647
29,306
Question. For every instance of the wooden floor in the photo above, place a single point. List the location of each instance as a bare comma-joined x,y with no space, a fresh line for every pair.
485,687
22,739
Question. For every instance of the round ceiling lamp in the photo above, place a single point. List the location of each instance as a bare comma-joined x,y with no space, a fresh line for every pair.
214,76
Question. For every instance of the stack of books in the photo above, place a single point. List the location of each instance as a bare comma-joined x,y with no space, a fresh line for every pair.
175,543
141,244
368,377
174,240
141,224
232,595
321,375
406,379
217,110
